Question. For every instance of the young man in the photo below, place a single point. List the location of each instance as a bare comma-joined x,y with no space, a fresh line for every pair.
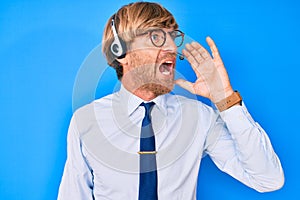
143,143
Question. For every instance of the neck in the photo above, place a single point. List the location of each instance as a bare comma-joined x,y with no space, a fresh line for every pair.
144,94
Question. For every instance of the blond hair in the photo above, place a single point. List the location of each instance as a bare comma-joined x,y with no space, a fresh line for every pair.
129,19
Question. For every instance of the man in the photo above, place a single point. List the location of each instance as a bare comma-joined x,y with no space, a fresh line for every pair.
143,143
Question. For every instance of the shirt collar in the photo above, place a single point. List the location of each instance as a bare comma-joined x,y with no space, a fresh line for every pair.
161,102
132,102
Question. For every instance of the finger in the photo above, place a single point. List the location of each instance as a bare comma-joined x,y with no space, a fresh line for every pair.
201,50
213,47
194,52
192,61
185,85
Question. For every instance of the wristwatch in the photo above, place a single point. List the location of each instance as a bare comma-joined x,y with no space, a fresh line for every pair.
230,101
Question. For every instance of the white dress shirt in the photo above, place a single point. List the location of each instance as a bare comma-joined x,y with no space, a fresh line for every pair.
103,141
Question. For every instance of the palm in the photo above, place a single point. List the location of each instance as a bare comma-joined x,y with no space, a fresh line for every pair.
212,79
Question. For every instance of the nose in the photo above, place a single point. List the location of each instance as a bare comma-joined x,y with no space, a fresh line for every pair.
169,44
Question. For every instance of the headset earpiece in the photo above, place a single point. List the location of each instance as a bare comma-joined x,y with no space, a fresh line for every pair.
118,46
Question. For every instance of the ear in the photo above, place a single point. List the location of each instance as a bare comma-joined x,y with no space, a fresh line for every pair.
125,64
123,61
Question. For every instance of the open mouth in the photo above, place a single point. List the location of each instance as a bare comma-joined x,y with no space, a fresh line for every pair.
166,68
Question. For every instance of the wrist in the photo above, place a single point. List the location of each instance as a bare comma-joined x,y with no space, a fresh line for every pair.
225,93
233,99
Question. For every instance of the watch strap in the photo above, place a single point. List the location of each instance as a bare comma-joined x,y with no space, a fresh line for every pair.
233,99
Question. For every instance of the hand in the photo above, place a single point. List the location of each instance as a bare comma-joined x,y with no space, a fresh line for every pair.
212,79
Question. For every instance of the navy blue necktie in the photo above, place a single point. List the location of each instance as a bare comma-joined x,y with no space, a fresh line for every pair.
148,173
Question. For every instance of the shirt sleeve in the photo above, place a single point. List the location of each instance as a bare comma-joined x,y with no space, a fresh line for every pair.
242,149
77,179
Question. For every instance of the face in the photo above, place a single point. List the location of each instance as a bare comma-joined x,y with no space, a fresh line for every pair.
151,68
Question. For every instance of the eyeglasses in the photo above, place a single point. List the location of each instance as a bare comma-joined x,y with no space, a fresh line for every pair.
158,37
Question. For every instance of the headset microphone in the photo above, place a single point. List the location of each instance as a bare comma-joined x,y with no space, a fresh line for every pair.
181,57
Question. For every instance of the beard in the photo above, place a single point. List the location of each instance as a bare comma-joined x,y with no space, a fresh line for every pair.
157,89
145,74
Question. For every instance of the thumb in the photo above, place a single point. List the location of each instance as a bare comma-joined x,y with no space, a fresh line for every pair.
185,85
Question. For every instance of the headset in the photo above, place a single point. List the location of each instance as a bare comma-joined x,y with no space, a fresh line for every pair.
118,46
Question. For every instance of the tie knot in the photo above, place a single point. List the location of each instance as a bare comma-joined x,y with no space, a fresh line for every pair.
148,107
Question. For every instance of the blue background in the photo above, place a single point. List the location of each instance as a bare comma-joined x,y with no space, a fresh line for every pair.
44,43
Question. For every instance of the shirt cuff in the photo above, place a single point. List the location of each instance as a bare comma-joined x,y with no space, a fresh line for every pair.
237,118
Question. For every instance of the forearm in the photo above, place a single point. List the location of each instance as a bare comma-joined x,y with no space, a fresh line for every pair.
250,157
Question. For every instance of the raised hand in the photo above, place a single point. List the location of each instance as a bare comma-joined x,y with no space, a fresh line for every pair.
212,79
